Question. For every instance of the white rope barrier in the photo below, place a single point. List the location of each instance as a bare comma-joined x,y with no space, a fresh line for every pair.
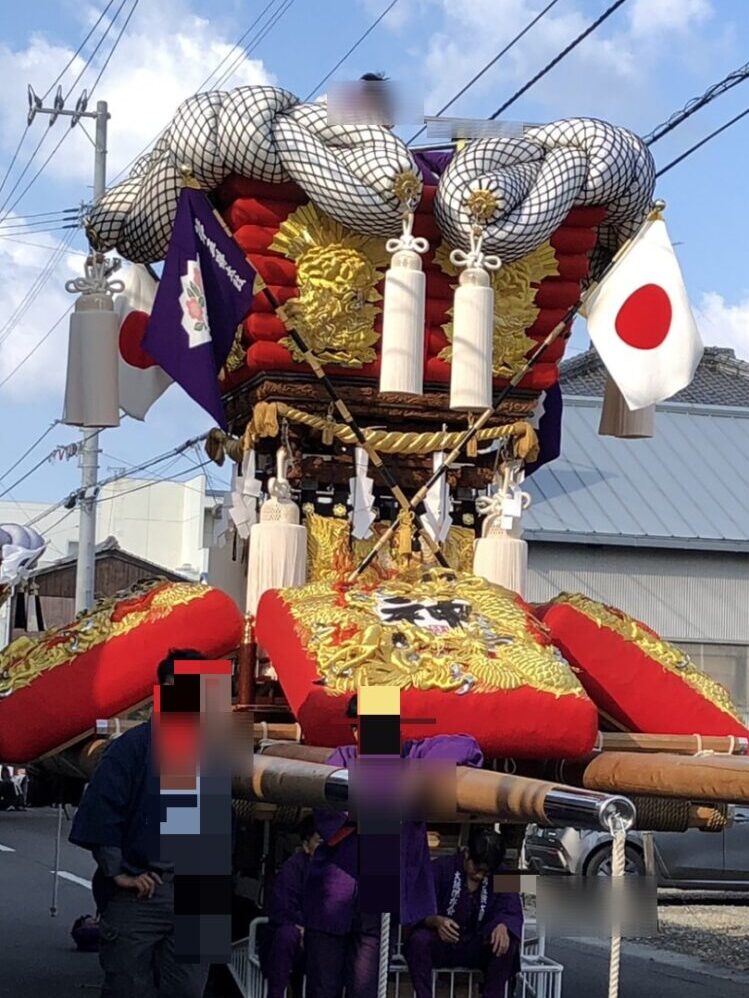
618,861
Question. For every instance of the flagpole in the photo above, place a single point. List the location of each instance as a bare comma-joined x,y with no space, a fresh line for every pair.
486,415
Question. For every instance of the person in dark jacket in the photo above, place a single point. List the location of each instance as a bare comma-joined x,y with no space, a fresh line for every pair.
119,821
282,955
474,925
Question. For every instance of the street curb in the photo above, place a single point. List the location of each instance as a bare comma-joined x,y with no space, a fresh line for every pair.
666,958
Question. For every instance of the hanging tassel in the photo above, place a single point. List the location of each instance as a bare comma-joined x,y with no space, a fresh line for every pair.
618,420
328,435
500,554
405,534
473,327
402,355
278,544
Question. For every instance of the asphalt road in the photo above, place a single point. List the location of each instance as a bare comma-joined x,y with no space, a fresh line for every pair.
38,957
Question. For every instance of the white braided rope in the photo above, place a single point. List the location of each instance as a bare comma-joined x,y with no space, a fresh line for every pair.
384,963
347,170
618,862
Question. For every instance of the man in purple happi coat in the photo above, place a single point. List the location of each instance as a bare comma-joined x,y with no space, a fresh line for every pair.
282,953
474,926
342,942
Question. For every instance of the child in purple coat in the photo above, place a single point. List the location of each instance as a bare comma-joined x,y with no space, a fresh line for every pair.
342,942
282,955
474,926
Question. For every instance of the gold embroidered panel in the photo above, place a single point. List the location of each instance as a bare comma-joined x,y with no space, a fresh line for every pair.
337,275
439,630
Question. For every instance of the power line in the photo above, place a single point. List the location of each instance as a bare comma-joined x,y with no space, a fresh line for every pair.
77,52
702,142
31,353
98,45
558,58
36,287
353,48
117,41
229,56
26,453
248,50
696,103
487,67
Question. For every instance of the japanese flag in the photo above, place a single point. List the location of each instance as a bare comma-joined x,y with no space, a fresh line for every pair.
142,381
640,321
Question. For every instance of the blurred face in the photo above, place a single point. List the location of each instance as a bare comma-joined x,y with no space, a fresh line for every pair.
475,872
309,845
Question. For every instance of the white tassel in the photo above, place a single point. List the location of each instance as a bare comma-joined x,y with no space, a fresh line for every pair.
402,354
500,554
473,329
278,544
618,420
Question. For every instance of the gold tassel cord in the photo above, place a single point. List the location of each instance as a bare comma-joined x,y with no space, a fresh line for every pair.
264,423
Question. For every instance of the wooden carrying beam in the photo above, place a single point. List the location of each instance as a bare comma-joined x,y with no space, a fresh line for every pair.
720,778
626,741
496,796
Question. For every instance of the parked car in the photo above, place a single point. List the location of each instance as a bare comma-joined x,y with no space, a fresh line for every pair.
692,860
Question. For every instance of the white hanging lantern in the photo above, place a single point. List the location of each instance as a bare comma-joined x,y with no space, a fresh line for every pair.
500,554
402,353
278,544
92,389
473,328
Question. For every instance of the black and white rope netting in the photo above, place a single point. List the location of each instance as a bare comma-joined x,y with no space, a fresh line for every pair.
348,170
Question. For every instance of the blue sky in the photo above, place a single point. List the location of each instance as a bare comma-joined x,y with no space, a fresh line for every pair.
644,63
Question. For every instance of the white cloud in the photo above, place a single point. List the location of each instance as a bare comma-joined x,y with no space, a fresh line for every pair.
35,312
163,57
722,324
651,18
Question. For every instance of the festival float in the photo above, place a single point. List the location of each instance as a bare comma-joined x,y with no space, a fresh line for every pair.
379,397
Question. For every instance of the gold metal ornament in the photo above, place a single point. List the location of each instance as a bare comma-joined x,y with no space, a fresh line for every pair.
337,275
407,187
515,308
481,205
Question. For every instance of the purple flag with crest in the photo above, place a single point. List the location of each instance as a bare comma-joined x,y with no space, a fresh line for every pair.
204,293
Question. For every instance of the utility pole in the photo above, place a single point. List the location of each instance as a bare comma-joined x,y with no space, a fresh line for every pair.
95,325
85,573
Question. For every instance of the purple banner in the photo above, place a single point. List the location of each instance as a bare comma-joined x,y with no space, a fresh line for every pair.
204,293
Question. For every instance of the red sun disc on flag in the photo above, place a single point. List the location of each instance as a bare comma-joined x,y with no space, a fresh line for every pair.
644,319
132,331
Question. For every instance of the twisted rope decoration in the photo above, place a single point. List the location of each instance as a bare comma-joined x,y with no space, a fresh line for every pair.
618,861
220,445
351,172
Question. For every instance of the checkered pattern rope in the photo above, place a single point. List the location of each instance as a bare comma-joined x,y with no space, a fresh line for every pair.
348,171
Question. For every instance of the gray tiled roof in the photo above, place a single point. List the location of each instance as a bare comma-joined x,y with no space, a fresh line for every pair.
687,487
721,378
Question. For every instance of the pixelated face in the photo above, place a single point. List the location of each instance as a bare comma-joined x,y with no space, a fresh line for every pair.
309,845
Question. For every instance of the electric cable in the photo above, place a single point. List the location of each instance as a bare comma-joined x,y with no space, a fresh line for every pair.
353,48
558,58
487,67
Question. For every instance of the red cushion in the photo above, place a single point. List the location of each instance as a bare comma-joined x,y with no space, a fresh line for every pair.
633,675
254,211
552,719
114,671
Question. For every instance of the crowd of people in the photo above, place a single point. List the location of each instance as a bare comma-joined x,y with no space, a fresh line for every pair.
319,930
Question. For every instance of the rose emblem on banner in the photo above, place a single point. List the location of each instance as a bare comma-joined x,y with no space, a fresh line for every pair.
192,303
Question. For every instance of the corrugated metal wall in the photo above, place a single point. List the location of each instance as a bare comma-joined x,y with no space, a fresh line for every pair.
684,596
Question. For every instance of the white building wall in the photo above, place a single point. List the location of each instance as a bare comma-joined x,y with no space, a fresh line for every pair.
161,522
684,596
